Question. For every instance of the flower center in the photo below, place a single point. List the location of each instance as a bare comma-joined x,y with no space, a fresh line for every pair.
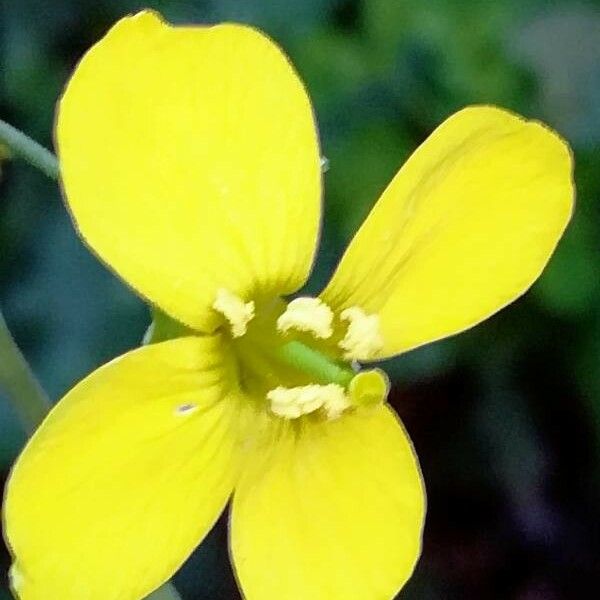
300,358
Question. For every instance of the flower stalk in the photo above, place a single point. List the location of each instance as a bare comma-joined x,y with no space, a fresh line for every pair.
166,592
19,383
320,367
23,146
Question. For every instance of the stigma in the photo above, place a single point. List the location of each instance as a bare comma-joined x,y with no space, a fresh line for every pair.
363,339
237,312
307,314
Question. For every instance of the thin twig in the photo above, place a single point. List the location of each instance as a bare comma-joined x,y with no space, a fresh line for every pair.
28,149
19,382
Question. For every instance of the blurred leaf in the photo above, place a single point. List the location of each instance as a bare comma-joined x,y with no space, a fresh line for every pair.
562,47
334,64
361,164
570,284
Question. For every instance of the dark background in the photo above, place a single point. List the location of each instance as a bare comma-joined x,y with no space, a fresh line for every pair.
506,417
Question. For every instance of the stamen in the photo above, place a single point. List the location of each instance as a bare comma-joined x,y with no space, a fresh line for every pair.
235,310
291,403
363,339
335,405
307,314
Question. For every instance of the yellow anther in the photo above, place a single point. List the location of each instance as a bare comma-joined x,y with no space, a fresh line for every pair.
336,403
235,310
291,403
363,340
307,314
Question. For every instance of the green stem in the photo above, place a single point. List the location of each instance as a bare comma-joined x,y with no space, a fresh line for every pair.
323,369
166,592
23,146
163,327
19,383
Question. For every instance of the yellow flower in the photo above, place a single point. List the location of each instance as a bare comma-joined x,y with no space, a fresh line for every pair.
190,162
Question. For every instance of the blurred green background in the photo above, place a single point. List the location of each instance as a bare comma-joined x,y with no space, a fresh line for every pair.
505,418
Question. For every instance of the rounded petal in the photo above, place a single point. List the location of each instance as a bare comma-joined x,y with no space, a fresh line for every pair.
126,475
329,510
190,162
464,228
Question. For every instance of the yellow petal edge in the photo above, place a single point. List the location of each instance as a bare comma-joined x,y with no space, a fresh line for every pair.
464,228
190,162
332,510
126,475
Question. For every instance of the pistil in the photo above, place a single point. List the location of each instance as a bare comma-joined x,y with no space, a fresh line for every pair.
337,388
319,367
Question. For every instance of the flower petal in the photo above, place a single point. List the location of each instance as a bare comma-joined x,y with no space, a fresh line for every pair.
190,162
464,228
126,475
329,510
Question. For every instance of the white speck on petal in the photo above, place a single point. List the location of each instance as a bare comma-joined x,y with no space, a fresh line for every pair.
186,409
16,578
